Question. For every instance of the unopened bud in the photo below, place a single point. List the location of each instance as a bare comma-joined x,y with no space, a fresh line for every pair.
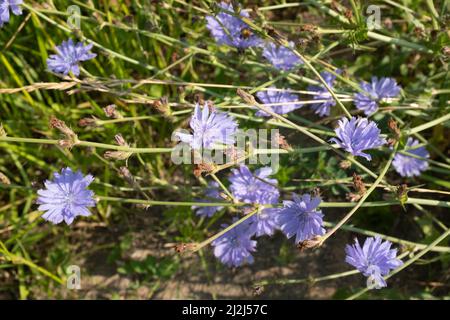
247,97
72,138
182,247
282,142
126,174
345,164
309,244
87,122
4,179
446,51
203,167
120,140
358,184
111,112
162,105
119,154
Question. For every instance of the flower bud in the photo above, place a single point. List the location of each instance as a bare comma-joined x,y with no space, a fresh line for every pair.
111,112
4,179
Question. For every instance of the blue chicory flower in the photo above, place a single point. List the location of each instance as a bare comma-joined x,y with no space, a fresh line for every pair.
323,108
254,188
375,91
235,247
357,135
281,57
230,30
66,197
301,218
209,128
68,56
374,260
211,193
277,97
5,6
408,166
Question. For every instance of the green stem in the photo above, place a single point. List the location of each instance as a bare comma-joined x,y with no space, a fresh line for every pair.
219,234
428,124
415,245
172,203
88,144
399,42
363,198
307,280
225,189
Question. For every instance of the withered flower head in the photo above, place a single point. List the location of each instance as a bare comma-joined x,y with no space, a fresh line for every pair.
72,138
119,154
87,122
345,164
309,244
111,112
203,167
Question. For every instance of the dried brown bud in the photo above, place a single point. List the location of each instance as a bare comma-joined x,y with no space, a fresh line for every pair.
247,97
182,247
4,179
358,184
65,144
248,210
348,14
388,23
119,154
391,142
61,126
120,140
345,164
420,32
446,51
162,105
282,142
87,122
334,5
111,112
353,197
72,138
309,244
124,173
234,154
393,126
203,167
308,28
